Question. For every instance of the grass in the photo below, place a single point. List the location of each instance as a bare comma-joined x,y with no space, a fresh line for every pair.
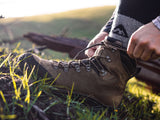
140,89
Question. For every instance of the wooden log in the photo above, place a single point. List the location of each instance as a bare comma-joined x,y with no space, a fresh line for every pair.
59,43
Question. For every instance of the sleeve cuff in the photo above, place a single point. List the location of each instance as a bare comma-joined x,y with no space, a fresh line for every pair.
156,22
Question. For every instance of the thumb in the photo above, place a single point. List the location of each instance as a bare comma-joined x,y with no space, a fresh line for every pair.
90,52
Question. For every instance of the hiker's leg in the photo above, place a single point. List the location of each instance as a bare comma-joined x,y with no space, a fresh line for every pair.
129,16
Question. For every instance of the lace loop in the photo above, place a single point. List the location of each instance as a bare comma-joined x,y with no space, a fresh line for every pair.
98,44
93,62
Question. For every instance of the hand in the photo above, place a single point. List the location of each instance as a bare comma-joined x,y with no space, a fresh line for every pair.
144,43
97,39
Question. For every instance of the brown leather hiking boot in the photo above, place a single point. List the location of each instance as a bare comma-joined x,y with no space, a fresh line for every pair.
102,77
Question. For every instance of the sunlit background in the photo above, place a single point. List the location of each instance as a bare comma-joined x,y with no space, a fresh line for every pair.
21,8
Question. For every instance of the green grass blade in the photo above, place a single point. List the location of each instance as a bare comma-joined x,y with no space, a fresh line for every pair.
29,108
5,60
55,79
4,100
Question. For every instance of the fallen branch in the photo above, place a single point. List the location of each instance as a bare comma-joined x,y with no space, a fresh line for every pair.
59,43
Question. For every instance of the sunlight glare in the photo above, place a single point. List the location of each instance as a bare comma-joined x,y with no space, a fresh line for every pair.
20,8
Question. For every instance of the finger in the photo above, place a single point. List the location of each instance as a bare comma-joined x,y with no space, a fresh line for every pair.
130,49
138,51
90,52
146,55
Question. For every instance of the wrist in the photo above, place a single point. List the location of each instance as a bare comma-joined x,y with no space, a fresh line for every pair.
156,22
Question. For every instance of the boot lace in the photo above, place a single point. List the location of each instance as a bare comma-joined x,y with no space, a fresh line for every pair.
88,63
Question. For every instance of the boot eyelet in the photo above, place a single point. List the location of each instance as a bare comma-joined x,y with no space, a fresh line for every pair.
88,68
109,60
107,57
77,68
65,69
103,72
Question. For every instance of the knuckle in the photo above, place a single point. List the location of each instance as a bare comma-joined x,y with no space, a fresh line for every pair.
133,39
143,43
134,36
